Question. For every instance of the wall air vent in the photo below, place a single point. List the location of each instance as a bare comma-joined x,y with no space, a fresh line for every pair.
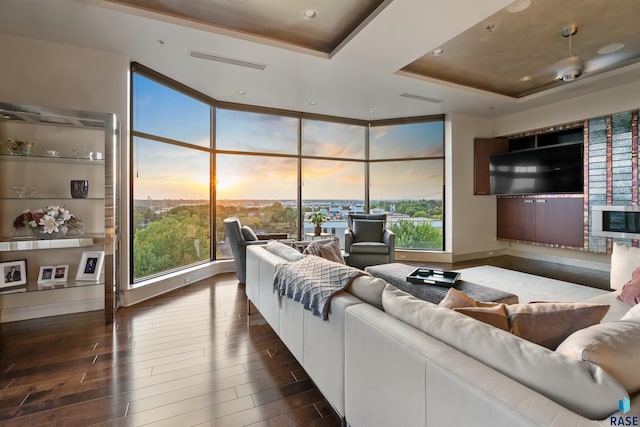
421,98
232,61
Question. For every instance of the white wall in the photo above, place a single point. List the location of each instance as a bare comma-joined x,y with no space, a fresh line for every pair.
616,100
471,219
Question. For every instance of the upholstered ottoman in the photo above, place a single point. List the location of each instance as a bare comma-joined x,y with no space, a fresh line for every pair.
396,274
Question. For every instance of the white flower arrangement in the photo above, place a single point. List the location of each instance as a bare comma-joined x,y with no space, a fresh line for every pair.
51,219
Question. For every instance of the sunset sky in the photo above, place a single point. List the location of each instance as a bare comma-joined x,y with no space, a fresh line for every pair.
163,171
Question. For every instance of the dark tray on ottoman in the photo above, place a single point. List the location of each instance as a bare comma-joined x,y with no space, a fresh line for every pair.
396,273
430,276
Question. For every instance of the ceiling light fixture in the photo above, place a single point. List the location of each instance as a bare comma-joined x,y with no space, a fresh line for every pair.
241,92
525,78
313,103
309,14
610,48
518,6
437,52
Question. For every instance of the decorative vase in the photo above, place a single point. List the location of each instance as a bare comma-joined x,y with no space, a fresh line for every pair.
40,233
317,230
79,188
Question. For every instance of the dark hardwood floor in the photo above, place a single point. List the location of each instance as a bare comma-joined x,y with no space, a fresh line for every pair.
190,357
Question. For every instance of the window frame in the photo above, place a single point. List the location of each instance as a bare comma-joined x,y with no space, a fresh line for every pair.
212,151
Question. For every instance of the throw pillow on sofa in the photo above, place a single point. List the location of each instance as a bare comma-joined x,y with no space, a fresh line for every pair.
614,346
457,299
327,249
546,324
633,313
631,290
582,387
496,315
284,251
624,260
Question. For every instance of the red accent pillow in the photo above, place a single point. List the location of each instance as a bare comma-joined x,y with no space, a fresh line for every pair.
631,290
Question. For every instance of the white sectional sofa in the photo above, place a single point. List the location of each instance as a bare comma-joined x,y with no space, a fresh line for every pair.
385,368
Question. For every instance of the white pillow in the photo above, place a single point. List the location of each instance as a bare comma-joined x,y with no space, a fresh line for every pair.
283,251
614,346
633,313
624,259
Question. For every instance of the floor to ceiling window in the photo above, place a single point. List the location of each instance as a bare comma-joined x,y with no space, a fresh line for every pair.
170,175
196,161
333,173
406,180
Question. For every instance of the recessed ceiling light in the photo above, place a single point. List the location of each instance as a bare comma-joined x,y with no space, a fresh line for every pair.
313,103
610,48
525,78
372,112
518,6
241,92
310,14
437,52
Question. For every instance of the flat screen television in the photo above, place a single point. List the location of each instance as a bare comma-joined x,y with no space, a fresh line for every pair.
546,170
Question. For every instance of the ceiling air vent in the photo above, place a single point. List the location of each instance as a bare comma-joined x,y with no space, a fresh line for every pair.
421,98
232,61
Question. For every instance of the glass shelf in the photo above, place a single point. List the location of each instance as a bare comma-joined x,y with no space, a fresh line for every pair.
31,243
33,286
52,198
42,158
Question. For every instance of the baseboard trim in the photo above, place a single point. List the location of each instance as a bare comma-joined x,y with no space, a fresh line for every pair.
604,265
167,283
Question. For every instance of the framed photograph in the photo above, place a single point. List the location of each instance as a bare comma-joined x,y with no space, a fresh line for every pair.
14,273
45,275
90,265
60,273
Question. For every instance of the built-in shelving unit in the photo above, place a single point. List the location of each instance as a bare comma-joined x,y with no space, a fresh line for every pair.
67,145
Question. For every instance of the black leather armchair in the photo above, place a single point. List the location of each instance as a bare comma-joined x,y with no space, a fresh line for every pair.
367,241
239,237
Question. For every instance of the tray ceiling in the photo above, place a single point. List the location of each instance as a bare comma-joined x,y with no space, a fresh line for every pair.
521,53
291,22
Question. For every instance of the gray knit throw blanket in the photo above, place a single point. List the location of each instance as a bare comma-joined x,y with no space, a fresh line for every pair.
312,281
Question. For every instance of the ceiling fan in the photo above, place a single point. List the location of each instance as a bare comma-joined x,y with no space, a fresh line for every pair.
569,69
572,67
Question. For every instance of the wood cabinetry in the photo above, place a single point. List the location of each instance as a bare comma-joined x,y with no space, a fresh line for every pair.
67,146
482,149
553,221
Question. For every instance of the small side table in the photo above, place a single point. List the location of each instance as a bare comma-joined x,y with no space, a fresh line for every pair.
314,236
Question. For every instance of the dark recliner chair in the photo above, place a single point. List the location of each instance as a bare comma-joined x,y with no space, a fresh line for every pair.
367,241
239,237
